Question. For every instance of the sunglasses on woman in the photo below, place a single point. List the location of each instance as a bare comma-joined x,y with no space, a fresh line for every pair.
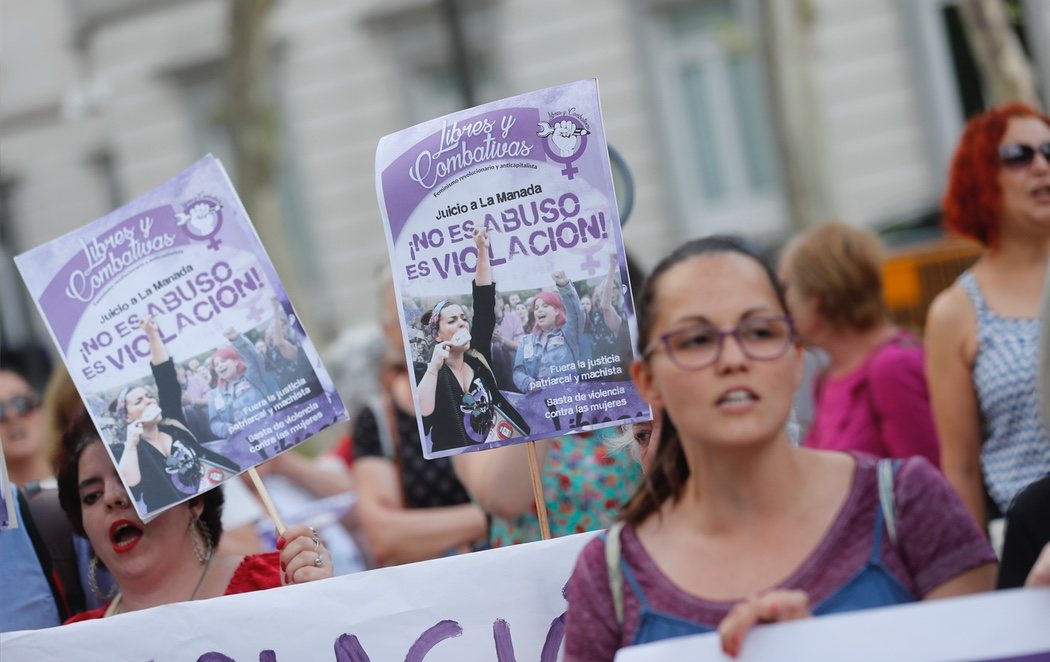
1018,155
20,405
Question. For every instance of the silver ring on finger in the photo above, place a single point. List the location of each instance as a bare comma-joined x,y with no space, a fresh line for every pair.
319,561
317,543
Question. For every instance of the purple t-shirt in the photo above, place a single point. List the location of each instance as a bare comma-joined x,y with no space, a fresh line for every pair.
881,408
936,542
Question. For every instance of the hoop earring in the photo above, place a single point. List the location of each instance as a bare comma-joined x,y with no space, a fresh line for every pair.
93,581
203,549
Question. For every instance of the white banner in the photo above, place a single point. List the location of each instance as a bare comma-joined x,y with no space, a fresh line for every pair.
1004,626
503,604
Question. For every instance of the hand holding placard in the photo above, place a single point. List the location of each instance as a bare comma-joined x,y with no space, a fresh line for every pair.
304,557
770,607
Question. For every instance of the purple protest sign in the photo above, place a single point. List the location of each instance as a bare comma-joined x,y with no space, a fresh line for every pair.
181,339
508,261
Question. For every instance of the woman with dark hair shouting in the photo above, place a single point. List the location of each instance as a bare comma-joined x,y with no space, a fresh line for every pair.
171,558
458,395
161,460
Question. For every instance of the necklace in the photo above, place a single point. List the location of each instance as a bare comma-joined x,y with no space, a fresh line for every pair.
204,573
116,608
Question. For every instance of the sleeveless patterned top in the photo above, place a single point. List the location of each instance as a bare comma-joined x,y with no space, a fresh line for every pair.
1016,448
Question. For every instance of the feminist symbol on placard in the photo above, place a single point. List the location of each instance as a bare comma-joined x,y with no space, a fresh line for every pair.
256,311
565,140
202,220
590,264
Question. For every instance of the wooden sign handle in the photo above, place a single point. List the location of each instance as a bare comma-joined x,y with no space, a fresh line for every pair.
267,501
537,490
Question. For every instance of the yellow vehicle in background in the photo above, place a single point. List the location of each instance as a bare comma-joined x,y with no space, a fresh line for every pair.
914,274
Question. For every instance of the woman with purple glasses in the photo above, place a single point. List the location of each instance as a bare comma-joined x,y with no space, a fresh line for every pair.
982,332
734,526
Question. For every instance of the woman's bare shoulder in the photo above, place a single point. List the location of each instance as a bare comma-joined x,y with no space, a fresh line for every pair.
833,470
951,316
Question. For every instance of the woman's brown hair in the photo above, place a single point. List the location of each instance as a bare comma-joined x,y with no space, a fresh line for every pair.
669,471
842,267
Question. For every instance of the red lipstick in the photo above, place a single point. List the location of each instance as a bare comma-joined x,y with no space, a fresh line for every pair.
124,535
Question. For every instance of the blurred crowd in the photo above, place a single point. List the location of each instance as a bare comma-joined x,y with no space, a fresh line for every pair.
922,471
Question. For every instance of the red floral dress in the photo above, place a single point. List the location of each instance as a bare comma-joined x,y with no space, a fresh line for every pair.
584,485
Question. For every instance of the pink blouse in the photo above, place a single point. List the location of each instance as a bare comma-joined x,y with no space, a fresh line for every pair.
882,408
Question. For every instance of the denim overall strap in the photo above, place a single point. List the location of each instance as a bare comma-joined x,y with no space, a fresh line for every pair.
635,586
652,625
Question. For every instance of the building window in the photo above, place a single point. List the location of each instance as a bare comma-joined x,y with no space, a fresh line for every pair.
949,82
203,90
421,41
17,335
967,77
712,104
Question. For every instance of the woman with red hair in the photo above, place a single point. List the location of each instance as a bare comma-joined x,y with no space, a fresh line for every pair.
982,332
241,383
554,339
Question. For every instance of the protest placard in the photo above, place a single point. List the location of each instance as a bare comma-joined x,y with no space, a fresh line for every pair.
502,604
546,350
181,339
988,627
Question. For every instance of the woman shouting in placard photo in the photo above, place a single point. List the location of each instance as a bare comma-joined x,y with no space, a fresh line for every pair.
458,395
161,460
